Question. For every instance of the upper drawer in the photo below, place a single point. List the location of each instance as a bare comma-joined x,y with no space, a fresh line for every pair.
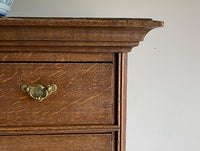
85,94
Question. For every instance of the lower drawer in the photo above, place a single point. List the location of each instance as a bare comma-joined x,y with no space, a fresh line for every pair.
70,142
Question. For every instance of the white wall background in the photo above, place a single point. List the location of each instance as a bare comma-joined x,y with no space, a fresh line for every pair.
163,73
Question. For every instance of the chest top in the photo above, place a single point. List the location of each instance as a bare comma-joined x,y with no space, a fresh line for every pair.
73,34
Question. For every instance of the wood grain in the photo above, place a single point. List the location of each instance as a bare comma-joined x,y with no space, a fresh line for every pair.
92,34
87,59
70,142
76,49
124,60
94,22
73,35
84,95
49,43
58,129
121,60
56,56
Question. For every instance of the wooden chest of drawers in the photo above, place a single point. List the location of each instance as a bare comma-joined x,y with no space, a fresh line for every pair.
86,60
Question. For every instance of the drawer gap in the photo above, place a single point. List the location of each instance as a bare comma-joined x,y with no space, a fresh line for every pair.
56,62
96,133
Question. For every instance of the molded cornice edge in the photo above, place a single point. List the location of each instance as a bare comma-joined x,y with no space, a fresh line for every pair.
73,34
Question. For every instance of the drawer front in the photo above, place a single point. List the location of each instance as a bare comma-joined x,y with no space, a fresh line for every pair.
84,94
71,142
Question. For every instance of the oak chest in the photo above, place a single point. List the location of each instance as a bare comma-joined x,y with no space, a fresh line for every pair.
63,82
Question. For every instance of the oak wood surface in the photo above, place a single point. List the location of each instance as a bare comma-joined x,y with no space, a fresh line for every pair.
119,78
123,105
76,49
69,142
105,22
58,129
87,59
56,56
84,95
91,34
73,34
63,44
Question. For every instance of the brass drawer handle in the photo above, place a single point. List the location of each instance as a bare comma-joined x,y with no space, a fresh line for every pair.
39,92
